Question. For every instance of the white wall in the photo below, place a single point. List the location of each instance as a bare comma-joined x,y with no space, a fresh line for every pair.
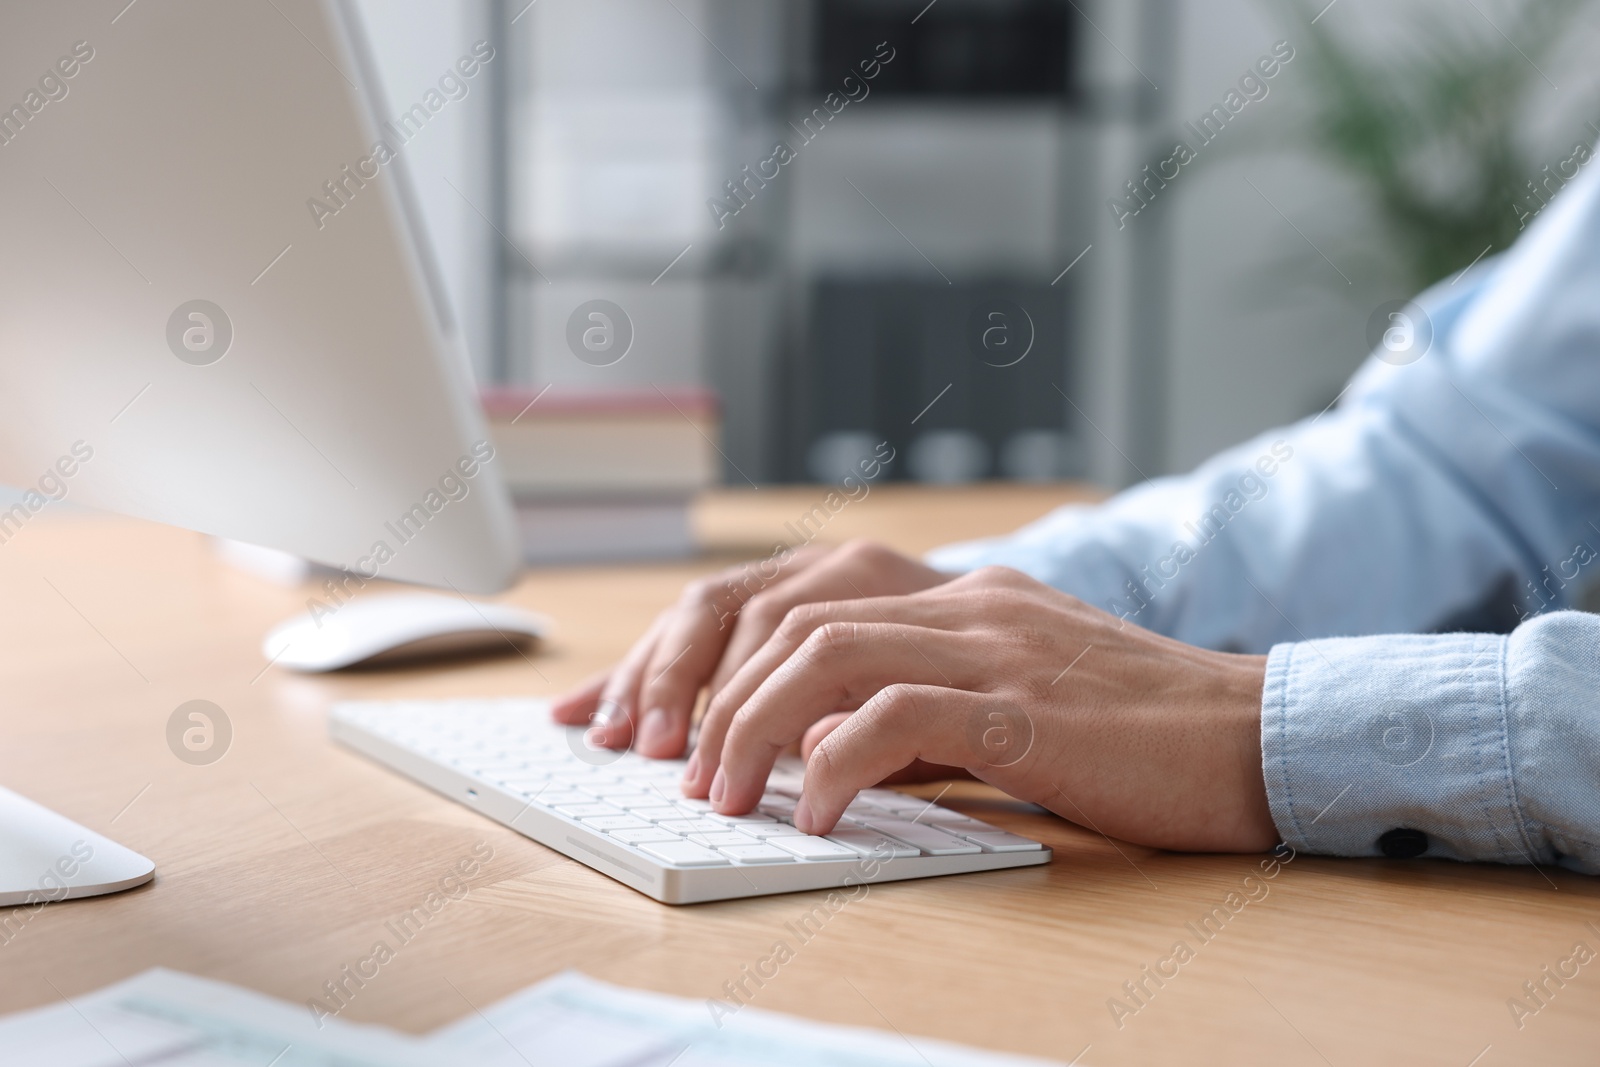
1251,343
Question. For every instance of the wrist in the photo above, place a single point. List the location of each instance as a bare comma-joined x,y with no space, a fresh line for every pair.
1240,707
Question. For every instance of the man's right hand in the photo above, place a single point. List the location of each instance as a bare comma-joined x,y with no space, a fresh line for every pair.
716,625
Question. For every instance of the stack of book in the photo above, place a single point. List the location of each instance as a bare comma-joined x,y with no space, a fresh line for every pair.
604,476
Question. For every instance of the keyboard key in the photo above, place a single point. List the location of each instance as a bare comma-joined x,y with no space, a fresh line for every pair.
860,809
1000,841
683,854
766,830
642,799
616,822
509,769
693,805
814,848
637,784
520,782
739,820
956,823
610,789
788,771
618,802
717,840
914,810
613,797
670,797
658,813
756,854
581,777
933,842
691,826
659,770
551,798
777,802
585,811
643,837
889,800
871,843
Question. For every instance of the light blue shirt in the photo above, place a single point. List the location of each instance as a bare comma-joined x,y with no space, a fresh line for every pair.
1453,501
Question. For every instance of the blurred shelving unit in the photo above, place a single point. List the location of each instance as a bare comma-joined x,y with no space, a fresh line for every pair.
903,277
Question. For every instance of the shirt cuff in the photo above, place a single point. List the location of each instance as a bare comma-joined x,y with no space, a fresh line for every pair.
1392,746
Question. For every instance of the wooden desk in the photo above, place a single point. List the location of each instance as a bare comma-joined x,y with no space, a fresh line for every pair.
280,863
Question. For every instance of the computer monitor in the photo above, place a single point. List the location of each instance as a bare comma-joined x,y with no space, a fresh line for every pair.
215,309
216,312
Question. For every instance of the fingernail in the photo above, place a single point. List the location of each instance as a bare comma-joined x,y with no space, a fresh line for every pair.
691,770
802,814
652,729
717,785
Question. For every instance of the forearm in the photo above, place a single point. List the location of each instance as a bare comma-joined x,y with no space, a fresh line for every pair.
1465,746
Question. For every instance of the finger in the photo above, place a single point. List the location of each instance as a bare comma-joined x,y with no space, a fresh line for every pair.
578,705
820,729
691,642
900,725
615,711
839,667
854,571
915,771
797,627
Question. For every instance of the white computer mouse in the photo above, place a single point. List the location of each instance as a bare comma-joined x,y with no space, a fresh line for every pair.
396,626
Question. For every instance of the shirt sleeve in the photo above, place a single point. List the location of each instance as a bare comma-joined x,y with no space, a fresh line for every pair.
1455,491
1459,746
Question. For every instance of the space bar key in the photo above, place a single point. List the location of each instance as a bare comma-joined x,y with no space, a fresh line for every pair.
684,854
934,842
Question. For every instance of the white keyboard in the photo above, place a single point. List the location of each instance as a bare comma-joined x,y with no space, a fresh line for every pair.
624,815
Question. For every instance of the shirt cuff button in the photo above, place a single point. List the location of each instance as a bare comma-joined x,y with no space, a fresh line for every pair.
1403,843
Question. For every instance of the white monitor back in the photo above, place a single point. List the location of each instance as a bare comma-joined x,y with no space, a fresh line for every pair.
318,403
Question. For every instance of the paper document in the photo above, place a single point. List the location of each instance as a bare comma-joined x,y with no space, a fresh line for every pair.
165,1019
572,1020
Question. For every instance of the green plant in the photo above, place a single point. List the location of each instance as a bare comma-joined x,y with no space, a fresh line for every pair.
1435,132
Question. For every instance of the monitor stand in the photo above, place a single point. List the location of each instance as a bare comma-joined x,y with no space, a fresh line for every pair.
46,857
